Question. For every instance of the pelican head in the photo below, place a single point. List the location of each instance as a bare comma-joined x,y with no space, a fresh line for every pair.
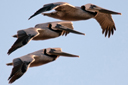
94,8
58,52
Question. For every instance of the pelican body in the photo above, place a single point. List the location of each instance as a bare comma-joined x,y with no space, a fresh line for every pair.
42,31
66,11
21,64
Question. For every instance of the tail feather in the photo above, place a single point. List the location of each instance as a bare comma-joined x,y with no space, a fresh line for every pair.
9,64
14,36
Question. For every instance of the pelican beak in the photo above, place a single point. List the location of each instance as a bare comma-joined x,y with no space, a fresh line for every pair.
68,30
99,9
59,53
36,13
108,11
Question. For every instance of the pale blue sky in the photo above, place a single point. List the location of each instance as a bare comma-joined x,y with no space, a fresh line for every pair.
103,61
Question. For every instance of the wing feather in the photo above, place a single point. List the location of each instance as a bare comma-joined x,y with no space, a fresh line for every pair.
106,22
47,7
20,67
23,39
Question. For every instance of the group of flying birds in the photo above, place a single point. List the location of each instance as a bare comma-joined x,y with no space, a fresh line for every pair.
63,11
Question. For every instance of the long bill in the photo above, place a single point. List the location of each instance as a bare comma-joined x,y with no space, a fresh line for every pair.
109,11
96,8
59,53
68,30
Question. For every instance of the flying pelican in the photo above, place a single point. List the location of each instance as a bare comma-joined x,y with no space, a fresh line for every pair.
42,32
21,64
65,11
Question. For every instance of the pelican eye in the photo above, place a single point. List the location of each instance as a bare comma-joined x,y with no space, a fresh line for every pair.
58,26
52,50
93,6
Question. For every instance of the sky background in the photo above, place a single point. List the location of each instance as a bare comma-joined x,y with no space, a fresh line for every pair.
103,61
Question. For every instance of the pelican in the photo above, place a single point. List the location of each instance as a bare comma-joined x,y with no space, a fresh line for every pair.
66,11
21,64
42,31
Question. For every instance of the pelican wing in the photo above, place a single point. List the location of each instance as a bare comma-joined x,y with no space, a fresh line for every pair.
47,7
106,22
66,7
22,39
20,67
104,18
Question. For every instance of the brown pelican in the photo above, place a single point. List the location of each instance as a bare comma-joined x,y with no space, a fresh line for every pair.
21,64
65,11
41,32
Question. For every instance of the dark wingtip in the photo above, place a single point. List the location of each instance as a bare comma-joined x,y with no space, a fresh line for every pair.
8,53
9,78
31,16
10,82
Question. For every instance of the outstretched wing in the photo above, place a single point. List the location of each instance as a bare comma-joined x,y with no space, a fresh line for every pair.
18,70
104,18
106,22
23,39
47,7
20,67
